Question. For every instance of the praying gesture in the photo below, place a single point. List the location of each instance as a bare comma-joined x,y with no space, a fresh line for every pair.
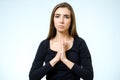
63,46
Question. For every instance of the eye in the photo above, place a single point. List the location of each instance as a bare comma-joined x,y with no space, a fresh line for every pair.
67,16
57,16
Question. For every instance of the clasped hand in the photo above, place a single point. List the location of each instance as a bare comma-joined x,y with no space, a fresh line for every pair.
61,53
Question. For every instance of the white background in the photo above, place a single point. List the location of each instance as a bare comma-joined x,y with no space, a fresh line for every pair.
25,23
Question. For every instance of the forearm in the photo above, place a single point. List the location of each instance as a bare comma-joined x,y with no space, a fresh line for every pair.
39,73
68,63
53,62
84,72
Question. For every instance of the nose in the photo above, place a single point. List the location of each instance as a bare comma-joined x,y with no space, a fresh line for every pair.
61,20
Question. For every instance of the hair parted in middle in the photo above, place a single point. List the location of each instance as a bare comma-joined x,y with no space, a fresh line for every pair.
72,28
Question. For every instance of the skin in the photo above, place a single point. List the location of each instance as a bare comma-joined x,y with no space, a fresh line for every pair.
62,41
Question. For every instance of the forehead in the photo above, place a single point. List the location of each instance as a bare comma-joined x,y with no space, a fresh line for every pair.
62,10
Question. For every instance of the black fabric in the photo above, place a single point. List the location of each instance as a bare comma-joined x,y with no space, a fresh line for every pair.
79,54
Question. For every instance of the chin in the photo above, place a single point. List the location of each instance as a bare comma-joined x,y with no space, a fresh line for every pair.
61,31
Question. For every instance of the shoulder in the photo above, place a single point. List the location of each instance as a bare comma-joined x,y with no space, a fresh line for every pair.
79,39
44,42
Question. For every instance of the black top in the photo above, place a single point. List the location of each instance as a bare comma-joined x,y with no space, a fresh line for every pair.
79,54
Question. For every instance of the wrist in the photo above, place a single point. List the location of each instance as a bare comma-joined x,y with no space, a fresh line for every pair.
53,62
68,63
64,60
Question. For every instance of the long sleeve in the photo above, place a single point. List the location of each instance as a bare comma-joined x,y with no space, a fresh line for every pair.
38,71
85,70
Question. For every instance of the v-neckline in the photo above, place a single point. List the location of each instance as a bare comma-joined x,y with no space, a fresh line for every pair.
66,50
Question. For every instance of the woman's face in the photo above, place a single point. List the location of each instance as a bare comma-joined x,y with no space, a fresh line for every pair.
62,19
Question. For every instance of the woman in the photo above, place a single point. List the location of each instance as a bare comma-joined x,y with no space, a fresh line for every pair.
65,54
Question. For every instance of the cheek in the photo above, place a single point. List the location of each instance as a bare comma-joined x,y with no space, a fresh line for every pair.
68,23
55,21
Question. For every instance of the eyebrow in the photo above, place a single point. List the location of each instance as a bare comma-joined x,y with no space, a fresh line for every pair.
57,14
64,14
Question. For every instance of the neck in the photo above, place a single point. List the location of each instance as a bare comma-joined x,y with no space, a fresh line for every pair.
62,36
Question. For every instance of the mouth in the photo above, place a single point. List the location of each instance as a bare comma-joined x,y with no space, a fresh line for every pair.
61,26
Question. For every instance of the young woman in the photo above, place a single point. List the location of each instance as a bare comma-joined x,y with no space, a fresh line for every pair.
65,54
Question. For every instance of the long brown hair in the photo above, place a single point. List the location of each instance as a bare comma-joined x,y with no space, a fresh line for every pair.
72,28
